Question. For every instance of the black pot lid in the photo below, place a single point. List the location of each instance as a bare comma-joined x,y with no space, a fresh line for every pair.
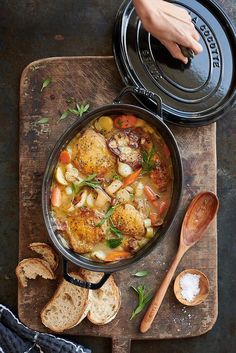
194,94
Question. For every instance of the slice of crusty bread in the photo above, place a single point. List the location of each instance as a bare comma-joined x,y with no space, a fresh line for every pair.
104,302
67,308
31,268
47,253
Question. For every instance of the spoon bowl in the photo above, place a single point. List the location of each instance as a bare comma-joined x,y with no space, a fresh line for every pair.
203,285
200,213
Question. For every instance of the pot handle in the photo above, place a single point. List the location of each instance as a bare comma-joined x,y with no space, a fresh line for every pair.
83,284
142,92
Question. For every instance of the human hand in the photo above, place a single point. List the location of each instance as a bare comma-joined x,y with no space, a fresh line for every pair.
170,24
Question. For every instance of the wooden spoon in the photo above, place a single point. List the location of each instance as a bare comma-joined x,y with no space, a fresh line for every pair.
200,213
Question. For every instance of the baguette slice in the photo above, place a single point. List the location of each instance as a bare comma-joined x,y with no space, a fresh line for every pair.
47,253
67,308
104,302
31,268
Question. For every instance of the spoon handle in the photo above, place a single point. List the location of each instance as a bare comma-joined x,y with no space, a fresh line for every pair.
160,293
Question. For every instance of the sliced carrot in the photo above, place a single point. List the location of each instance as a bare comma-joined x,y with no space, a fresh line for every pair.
131,178
162,207
152,197
125,121
65,157
166,151
56,197
154,218
150,193
117,255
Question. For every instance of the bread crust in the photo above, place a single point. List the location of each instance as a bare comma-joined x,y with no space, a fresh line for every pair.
36,246
35,263
94,294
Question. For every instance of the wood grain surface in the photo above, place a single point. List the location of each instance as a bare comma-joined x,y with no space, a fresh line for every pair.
95,80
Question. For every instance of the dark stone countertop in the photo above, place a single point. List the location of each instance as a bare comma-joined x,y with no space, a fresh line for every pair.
34,29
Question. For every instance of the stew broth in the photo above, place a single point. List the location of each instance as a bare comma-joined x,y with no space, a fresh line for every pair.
112,188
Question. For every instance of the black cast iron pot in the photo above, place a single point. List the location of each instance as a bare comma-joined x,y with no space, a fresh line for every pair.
112,109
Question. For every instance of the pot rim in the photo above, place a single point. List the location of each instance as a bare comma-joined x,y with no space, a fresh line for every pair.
63,140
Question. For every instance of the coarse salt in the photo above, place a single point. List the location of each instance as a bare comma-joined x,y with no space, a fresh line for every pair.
189,285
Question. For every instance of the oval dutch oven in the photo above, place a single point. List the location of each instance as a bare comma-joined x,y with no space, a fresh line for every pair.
113,109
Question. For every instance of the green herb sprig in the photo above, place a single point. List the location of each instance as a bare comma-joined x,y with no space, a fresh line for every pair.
89,181
46,83
79,110
76,189
114,242
143,300
107,216
148,163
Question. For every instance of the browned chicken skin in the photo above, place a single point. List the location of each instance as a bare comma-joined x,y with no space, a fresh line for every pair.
81,230
160,177
129,221
93,155
127,144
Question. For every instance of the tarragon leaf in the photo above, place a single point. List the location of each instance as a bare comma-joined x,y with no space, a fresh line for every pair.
86,107
43,120
107,216
91,177
64,115
143,299
115,231
81,109
46,83
73,111
148,163
78,111
114,242
89,181
140,273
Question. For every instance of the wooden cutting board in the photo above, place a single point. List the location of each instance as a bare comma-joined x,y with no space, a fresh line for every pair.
95,80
